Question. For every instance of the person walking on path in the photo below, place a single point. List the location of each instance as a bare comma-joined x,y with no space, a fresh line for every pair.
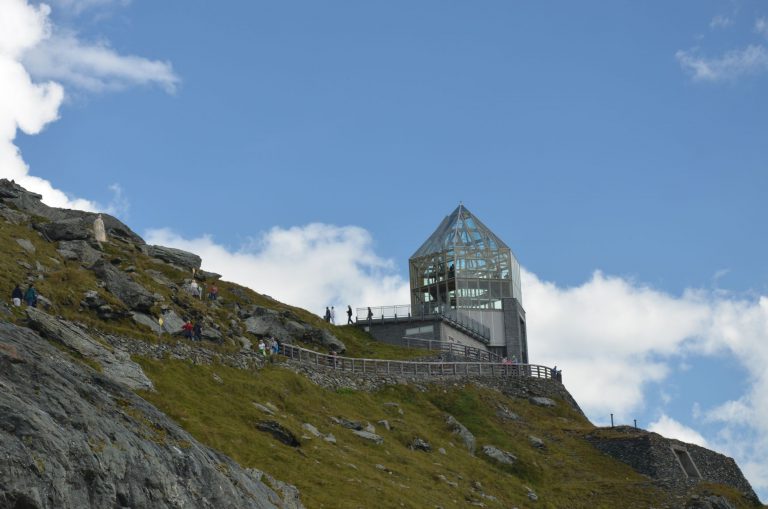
370,314
262,348
193,286
16,296
213,293
197,331
349,314
187,329
31,296
327,314
333,316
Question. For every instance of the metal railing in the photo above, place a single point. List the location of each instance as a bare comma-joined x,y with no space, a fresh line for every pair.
384,367
449,351
406,311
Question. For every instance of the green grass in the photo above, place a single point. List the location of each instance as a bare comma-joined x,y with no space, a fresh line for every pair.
568,473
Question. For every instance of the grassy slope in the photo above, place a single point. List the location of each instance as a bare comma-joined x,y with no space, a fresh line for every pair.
568,473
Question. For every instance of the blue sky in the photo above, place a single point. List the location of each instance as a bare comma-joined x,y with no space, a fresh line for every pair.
619,148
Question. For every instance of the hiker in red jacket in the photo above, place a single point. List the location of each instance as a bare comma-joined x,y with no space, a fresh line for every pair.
187,328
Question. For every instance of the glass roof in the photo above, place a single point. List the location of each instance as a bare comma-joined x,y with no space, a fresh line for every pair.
460,228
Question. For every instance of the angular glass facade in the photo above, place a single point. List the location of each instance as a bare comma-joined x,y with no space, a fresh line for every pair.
462,265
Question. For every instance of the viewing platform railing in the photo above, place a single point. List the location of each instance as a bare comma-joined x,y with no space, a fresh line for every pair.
406,311
383,367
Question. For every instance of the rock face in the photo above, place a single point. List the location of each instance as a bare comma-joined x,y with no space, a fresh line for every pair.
174,256
71,438
79,250
74,228
267,322
30,203
120,284
116,364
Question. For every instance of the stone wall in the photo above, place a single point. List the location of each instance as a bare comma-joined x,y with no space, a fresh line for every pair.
653,455
517,387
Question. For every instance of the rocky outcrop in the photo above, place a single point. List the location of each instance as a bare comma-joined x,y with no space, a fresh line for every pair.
71,438
79,250
29,203
115,364
75,228
178,257
120,284
267,322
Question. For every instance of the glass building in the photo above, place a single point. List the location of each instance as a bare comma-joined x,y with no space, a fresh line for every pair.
464,271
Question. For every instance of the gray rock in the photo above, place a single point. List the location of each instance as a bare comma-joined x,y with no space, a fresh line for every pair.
466,436
325,339
120,284
384,423
536,442
263,408
204,275
542,401
279,432
30,203
74,228
506,414
311,429
346,423
709,502
533,497
26,245
441,450
172,323
245,343
92,300
372,437
115,364
178,257
259,325
419,444
330,438
79,250
289,492
211,334
70,438
370,428
497,454
147,321
13,216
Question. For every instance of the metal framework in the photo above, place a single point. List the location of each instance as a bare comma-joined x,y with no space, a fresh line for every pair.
462,265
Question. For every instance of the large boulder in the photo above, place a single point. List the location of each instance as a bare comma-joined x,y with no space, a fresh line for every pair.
79,250
115,364
74,228
70,437
178,257
172,322
120,284
324,339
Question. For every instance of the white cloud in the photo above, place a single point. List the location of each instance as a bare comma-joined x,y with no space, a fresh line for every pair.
721,21
29,105
761,26
731,65
313,266
670,428
95,67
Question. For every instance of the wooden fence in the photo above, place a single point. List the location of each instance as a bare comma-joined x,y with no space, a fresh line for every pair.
383,367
